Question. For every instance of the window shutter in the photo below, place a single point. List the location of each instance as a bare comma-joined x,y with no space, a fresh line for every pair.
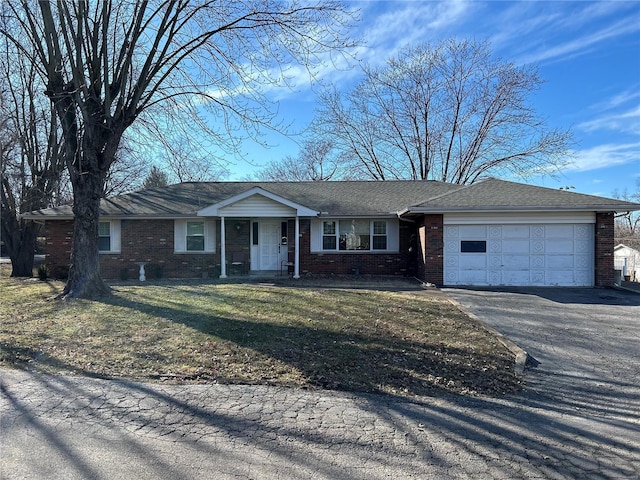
115,236
180,235
393,235
316,235
210,236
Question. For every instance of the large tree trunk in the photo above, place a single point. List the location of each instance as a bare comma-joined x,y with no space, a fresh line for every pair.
84,275
22,250
20,240
19,236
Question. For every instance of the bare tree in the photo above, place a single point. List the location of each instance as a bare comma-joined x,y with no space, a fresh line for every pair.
187,161
315,162
627,225
108,64
31,162
447,112
125,175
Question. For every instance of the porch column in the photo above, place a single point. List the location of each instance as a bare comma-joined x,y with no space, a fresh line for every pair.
296,258
223,250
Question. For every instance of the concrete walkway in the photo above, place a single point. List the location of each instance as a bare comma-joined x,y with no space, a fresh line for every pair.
569,423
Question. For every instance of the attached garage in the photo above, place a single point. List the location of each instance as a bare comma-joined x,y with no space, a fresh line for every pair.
519,249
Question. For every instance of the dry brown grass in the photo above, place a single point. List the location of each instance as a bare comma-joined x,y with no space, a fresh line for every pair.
347,339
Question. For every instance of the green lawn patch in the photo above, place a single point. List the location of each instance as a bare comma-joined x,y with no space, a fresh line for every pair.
355,340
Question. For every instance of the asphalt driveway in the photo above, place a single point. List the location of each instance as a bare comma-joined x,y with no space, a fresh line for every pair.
578,334
579,416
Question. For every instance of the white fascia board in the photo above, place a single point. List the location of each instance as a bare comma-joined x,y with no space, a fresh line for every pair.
355,215
572,208
213,210
493,218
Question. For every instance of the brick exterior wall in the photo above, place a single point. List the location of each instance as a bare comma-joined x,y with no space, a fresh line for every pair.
57,249
357,262
604,244
152,241
148,241
431,237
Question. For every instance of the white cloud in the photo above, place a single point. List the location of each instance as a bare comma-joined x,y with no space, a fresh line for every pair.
533,32
387,28
627,121
406,23
605,156
583,44
617,100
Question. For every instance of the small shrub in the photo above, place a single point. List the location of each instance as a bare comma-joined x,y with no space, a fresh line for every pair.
124,274
154,271
43,272
61,272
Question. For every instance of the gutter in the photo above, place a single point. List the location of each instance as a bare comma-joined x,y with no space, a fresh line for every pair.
399,216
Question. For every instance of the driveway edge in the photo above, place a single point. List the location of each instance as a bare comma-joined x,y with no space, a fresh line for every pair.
521,355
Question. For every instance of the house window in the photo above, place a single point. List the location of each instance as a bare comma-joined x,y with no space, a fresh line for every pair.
104,236
355,235
473,246
379,235
329,236
195,236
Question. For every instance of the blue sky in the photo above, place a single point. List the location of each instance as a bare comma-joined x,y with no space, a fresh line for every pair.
588,53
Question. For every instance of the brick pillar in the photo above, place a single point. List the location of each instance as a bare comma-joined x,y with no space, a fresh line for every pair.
431,235
604,249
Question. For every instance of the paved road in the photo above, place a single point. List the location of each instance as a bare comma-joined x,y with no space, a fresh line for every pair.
579,417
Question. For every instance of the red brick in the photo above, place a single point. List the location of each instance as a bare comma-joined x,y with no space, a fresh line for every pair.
604,244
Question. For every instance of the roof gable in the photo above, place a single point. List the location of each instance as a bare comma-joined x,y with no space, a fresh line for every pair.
217,209
626,248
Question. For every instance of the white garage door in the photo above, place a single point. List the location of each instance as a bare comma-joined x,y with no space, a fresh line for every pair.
519,254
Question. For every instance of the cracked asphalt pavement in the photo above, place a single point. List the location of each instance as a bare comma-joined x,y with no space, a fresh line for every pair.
579,416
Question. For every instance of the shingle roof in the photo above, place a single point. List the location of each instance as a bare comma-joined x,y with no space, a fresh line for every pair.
350,198
494,194
335,198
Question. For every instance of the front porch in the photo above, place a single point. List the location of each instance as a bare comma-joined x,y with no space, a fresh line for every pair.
259,232
258,247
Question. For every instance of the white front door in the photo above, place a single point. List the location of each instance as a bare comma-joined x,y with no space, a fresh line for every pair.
269,245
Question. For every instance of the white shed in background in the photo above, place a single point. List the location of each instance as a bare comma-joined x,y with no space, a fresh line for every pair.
627,260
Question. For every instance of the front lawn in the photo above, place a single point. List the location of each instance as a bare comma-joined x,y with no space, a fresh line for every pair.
356,340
